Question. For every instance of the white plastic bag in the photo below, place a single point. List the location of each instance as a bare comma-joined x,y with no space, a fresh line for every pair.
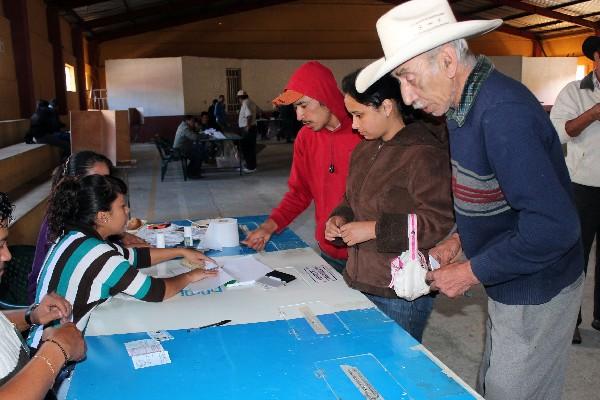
410,268
230,157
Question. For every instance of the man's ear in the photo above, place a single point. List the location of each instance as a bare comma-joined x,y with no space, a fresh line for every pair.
448,61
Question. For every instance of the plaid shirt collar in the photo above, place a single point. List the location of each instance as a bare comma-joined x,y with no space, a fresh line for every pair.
478,75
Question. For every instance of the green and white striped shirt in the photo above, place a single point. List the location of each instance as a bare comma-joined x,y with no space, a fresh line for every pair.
87,271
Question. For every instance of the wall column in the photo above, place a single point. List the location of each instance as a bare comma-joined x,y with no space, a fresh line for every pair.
16,13
58,63
76,37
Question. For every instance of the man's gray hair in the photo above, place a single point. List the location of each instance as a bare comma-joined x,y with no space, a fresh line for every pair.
463,54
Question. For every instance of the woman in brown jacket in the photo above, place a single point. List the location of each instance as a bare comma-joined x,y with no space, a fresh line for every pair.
401,168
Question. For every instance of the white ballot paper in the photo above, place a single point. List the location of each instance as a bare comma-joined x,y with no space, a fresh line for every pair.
147,353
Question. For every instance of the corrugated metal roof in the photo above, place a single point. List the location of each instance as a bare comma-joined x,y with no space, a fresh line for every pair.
107,19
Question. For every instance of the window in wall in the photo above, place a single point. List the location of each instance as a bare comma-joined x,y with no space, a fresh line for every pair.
70,78
234,83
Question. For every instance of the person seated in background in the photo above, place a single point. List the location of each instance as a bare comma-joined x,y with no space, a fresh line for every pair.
402,167
78,164
186,143
205,123
85,267
20,376
46,128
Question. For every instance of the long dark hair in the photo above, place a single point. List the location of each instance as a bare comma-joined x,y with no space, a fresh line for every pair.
386,87
78,200
6,210
79,164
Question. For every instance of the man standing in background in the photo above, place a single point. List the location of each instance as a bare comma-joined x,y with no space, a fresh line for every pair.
220,113
247,125
576,117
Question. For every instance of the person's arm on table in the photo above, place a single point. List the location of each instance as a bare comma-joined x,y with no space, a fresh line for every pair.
194,256
174,284
294,202
60,345
130,240
38,375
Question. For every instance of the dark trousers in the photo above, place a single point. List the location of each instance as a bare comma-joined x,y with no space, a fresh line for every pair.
587,200
195,152
248,145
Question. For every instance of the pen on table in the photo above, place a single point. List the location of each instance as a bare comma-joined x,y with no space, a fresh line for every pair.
225,321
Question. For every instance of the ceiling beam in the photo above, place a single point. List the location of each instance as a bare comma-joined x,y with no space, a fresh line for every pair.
209,10
505,28
519,5
160,10
521,15
511,30
550,23
70,4
570,33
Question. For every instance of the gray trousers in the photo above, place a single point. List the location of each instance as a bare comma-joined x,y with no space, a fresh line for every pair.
527,347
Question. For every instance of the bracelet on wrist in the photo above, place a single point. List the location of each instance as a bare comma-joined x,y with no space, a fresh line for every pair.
62,349
48,363
29,312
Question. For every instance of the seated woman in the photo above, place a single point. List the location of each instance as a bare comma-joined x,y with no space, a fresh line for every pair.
20,376
85,267
401,168
78,164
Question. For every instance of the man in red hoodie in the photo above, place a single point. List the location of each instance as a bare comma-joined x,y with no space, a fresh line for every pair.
321,158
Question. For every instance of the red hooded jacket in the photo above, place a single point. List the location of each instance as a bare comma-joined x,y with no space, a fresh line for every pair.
314,153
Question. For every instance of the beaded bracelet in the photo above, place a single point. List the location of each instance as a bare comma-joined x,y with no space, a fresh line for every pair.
48,363
62,349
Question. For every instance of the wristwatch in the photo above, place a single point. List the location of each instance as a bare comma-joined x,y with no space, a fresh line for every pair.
28,313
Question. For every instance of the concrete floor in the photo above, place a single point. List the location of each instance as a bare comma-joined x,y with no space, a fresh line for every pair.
456,328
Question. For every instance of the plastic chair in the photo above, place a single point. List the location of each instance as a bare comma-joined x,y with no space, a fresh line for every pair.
13,286
167,154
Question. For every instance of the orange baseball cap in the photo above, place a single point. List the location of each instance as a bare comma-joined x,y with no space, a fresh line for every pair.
287,97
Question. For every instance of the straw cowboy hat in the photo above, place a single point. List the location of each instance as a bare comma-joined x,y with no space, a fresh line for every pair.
416,27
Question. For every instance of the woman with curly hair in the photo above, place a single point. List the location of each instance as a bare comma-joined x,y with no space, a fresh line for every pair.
78,164
85,267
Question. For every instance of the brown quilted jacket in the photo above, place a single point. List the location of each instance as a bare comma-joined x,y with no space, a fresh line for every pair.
388,180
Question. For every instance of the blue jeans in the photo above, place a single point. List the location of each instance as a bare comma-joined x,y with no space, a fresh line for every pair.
336,263
410,315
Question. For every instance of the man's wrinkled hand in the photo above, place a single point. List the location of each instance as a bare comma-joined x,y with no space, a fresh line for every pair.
453,280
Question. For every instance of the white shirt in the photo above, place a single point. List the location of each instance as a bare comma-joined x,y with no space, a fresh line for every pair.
583,151
248,109
10,347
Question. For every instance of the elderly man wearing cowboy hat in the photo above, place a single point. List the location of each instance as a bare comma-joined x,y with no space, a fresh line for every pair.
517,225
576,117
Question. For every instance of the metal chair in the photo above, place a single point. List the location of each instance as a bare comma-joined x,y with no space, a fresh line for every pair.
167,154
13,286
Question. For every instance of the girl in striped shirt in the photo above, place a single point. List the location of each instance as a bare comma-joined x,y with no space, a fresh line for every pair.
85,267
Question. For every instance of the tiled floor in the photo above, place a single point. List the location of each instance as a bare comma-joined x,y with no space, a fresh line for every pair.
456,328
